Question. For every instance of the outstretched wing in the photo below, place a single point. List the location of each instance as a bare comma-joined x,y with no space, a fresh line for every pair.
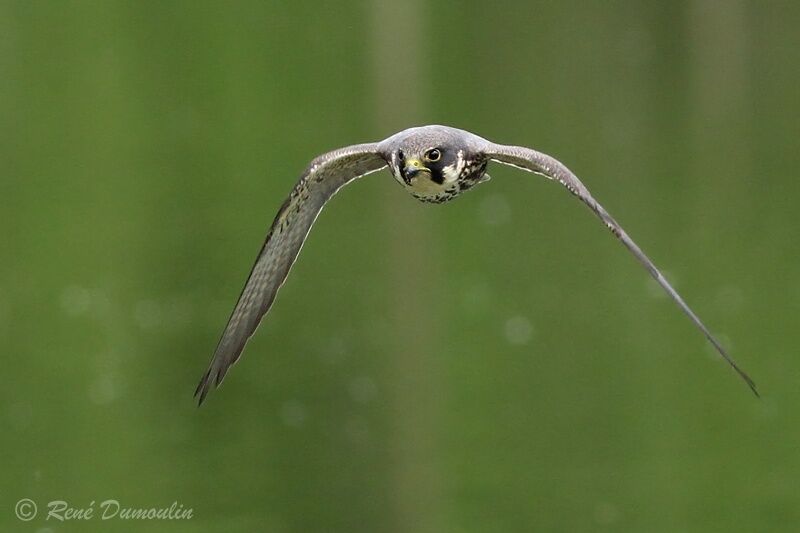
544,165
321,180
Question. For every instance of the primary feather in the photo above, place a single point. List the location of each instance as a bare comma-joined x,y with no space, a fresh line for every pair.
323,178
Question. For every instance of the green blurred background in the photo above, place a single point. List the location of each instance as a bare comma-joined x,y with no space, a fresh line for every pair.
496,364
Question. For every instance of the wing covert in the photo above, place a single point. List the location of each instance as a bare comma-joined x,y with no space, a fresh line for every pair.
321,180
549,167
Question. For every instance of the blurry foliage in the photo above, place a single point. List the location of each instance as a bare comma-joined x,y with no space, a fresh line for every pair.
495,364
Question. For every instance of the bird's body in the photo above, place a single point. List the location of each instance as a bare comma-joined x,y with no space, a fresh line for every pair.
433,163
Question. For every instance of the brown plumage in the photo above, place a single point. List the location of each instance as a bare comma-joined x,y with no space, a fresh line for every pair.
435,164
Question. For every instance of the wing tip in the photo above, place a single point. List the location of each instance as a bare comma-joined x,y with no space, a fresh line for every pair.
750,383
210,380
742,374
203,387
224,358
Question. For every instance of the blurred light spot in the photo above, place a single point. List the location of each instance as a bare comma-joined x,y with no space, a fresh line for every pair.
606,513
293,413
494,210
75,300
654,290
103,391
45,530
20,415
518,330
362,389
148,314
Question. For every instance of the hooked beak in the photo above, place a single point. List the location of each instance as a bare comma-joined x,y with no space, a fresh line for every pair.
412,168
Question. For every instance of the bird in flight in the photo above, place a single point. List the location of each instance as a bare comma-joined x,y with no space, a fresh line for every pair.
433,163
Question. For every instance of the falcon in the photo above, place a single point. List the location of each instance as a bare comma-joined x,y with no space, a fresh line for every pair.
433,163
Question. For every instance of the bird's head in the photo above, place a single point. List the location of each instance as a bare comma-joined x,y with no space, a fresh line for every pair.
435,163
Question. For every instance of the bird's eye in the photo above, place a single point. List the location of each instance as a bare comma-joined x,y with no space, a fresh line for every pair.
434,154
400,155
